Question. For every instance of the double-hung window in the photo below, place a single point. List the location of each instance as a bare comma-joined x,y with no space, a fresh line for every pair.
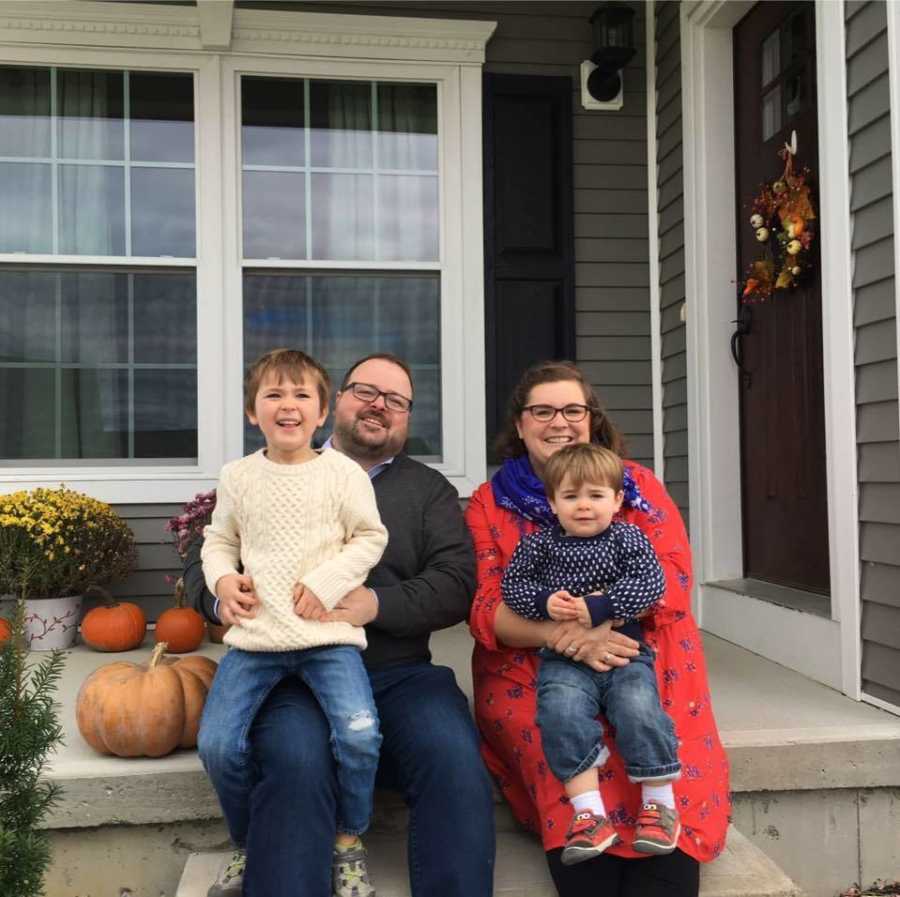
172,208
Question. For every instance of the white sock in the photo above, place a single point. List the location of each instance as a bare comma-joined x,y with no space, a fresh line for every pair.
658,794
589,802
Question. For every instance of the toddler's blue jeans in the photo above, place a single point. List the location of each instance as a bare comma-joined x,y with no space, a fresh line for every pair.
572,695
337,678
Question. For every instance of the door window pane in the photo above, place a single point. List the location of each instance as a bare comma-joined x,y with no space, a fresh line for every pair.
771,113
771,57
102,365
341,318
98,187
24,112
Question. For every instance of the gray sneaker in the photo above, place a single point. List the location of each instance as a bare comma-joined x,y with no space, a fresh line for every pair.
230,880
350,874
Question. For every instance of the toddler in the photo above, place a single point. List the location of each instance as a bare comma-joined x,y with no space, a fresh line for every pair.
294,530
592,568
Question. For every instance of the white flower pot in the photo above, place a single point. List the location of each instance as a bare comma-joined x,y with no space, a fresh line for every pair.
52,623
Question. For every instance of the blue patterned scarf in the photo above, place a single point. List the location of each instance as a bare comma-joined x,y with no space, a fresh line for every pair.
519,489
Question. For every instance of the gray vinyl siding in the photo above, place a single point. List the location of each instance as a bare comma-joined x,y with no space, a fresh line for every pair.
152,586
878,434
611,256
670,211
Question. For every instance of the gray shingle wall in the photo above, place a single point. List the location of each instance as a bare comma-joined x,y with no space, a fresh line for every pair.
670,209
612,272
878,434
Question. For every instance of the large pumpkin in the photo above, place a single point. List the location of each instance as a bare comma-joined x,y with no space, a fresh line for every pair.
114,625
180,627
144,710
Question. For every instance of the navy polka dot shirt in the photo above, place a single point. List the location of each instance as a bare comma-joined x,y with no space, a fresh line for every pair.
619,562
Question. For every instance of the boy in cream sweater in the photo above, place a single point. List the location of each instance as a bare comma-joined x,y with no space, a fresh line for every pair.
304,528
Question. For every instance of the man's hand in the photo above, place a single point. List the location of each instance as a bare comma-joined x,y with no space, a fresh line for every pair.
307,604
237,598
357,607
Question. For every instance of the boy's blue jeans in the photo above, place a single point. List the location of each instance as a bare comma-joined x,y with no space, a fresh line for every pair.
337,678
571,696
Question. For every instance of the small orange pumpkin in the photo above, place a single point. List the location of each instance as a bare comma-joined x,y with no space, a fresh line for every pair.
144,710
114,625
5,629
180,627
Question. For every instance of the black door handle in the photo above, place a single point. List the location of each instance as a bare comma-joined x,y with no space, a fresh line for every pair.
744,327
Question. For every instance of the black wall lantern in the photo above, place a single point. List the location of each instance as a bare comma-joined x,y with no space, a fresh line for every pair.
614,48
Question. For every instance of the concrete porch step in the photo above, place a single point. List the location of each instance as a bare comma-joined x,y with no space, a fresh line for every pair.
743,870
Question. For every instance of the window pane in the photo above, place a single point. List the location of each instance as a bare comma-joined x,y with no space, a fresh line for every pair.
24,112
92,213
162,117
27,396
94,414
165,319
771,57
408,217
165,414
26,218
771,113
162,212
341,124
340,318
86,339
94,318
274,215
407,126
272,112
91,107
27,316
343,219
276,313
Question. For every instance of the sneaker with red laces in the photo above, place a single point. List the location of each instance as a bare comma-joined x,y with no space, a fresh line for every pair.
657,830
588,836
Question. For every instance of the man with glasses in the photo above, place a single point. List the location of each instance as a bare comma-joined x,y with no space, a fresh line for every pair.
424,582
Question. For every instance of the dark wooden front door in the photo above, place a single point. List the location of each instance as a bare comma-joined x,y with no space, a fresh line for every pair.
528,226
785,505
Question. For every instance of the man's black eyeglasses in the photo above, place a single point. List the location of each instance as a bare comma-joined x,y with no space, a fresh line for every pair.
393,401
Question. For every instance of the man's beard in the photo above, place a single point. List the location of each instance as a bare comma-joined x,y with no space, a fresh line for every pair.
353,440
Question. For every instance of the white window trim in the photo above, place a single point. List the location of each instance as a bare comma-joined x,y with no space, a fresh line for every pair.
448,52
713,426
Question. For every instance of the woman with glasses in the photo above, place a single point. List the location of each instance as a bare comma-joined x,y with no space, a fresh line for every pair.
553,406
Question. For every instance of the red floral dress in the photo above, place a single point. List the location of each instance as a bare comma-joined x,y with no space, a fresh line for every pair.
506,698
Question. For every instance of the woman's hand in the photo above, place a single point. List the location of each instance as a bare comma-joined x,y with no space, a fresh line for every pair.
601,648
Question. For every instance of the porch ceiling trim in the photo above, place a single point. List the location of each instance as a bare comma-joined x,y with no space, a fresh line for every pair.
156,26
709,254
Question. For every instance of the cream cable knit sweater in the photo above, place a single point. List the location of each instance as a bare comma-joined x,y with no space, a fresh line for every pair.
314,523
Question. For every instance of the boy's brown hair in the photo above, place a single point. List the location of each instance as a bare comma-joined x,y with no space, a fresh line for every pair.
583,463
286,363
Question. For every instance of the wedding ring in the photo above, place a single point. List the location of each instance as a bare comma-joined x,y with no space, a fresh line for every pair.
607,657
570,650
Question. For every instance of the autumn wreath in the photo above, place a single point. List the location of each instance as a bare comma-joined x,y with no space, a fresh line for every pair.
782,215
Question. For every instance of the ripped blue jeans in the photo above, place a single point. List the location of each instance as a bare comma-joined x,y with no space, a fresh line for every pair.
337,678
